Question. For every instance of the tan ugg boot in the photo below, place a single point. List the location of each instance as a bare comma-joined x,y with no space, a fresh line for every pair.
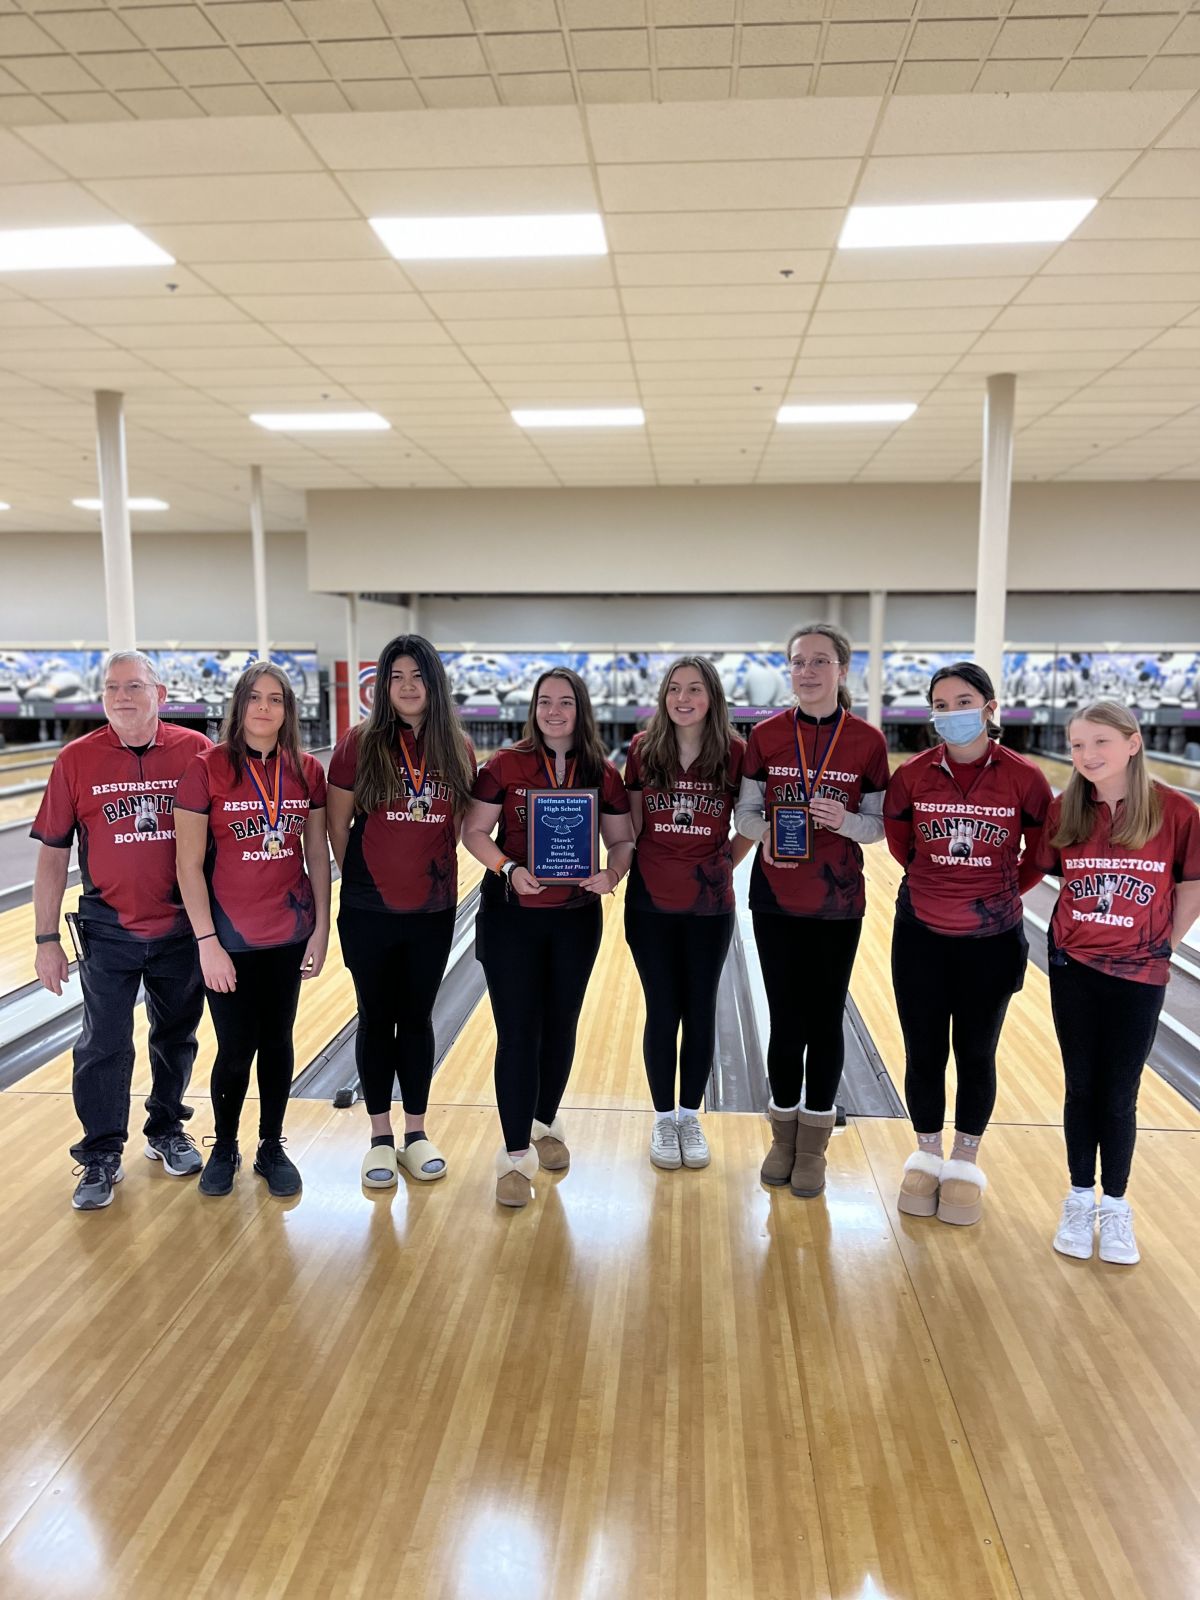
781,1157
813,1129
960,1198
551,1150
514,1177
919,1186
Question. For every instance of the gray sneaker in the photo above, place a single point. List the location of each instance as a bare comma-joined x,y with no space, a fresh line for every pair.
177,1152
692,1143
664,1144
94,1190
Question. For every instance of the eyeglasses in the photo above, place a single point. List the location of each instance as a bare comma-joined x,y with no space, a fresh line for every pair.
135,687
818,663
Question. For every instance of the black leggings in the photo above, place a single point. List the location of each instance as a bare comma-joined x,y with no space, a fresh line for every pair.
679,960
397,960
537,965
948,986
255,1019
806,964
1105,1028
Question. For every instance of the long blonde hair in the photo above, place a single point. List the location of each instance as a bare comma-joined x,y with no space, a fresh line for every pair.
659,749
841,649
1143,810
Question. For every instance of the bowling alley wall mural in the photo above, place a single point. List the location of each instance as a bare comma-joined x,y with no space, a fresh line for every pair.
199,682
496,684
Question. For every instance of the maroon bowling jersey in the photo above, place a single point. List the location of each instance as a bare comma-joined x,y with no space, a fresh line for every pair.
403,856
120,804
830,883
503,781
683,861
258,900
957,831
1116,905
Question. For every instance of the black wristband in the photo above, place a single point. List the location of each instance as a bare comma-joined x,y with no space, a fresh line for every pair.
200,937
47,938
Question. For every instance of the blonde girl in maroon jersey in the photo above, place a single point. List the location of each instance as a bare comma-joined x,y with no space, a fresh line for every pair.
683,775
808,914
1127,851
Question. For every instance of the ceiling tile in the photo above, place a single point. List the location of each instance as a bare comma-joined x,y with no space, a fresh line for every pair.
416,140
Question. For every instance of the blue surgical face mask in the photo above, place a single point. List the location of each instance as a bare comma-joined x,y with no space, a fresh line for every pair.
959,727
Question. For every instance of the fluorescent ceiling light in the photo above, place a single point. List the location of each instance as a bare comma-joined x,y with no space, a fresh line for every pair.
4,506
880,413
464,238
134,505
321,421
611,417
46,249
988,222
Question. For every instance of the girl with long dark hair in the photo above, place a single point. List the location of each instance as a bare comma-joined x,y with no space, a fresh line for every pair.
682,775
399,784
1127,851
956,817
808,912
538,942
253,865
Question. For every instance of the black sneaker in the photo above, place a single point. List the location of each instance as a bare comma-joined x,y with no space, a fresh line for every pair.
177,1152
97,1175
223,1162
283,1177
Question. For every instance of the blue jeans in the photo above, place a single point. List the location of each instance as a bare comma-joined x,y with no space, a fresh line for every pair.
110,976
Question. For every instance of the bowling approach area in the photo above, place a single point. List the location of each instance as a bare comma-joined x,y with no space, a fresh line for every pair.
670,1383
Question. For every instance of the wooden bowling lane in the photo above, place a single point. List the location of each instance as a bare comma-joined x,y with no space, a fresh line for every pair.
326,1005
1028,1065
20,807
22,755
671,1384
16,942
1074,1380
85,1297
608,1071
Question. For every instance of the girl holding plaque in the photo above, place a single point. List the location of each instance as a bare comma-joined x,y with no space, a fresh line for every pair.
682,776
399,784
1127,850
956,816
537,938
253,866
811,796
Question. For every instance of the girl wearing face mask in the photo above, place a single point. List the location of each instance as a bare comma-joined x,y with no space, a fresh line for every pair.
808,913
956,816
1127,850
538,942
682,776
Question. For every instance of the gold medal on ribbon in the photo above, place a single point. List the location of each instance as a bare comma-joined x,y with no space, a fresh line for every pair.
270,798
415,771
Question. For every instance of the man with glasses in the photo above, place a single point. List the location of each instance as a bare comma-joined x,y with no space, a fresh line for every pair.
114,789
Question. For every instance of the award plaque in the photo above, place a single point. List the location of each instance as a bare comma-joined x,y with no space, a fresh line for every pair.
563,834
791,832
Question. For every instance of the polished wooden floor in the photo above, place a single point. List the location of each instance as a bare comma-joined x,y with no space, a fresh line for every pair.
646,1383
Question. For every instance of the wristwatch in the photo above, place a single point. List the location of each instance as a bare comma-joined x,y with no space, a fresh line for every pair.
507,869
47,938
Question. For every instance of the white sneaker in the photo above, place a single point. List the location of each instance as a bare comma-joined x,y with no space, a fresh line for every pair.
1076,1234
664,1144
1117,1243
692,1143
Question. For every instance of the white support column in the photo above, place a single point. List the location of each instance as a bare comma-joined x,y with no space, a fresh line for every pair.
114,519
351,662
878,607
833,609
414,613
258,548
991,583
